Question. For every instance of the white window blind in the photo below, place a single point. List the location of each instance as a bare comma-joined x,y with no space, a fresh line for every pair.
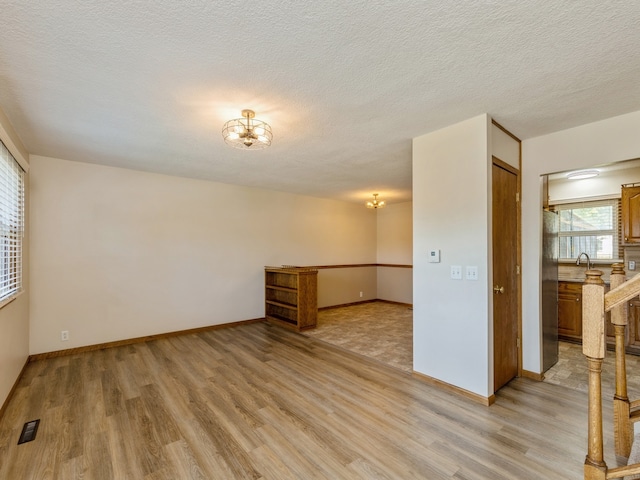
591,227
11,223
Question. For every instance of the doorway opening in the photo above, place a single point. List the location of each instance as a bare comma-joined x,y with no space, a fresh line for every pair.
596,203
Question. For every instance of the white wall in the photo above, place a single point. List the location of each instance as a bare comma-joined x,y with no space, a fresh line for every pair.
505,147
451,212
610,140
395,246
607,184
118,253
14,317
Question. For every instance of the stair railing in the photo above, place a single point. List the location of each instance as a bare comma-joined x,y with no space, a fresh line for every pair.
595,304
622,425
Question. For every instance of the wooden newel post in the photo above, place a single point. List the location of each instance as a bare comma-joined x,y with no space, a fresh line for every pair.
593,347
623,432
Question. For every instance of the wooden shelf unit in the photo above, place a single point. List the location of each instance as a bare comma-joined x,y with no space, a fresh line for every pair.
291,297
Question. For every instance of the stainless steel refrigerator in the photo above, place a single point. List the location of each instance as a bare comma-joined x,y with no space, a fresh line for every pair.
550,252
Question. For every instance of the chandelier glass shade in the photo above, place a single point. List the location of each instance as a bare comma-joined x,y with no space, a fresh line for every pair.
375,203
247,133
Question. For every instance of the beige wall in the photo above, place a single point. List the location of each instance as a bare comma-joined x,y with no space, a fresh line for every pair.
339,286
395,234
14,317
395,245
118,253
451,212
395,284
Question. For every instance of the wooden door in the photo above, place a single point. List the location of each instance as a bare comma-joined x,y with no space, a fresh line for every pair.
631,214
505,280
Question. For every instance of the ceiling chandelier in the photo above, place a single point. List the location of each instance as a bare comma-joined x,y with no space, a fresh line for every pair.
375,203
247,133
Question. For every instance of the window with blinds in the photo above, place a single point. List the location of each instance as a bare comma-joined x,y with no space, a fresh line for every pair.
591,227
11,223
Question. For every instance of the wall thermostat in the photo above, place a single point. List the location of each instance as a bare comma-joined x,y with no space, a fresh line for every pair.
434,256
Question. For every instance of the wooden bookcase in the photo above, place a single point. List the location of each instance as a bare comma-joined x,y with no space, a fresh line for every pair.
291,297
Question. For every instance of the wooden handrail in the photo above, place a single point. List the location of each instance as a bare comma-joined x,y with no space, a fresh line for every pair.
621,472
622,293
595,303
623,431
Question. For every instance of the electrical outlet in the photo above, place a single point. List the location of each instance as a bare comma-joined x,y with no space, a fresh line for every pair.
64,335
360,294
632,265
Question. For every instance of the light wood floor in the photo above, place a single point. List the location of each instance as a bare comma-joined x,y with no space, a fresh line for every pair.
256,401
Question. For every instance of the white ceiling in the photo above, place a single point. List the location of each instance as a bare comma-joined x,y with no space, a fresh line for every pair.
344,84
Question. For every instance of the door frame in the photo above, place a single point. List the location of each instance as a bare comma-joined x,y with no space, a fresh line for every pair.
517,172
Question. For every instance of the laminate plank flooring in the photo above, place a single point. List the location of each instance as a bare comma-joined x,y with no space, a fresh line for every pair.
260,402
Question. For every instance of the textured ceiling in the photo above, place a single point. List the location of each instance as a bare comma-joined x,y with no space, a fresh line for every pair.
344,84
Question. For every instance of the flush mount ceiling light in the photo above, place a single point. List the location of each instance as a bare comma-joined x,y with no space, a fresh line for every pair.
247,133
375,203
582,174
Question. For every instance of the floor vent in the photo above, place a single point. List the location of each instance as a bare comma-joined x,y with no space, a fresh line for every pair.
29,431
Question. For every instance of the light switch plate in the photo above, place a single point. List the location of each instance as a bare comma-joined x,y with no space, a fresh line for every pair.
471,273
632,265
456,272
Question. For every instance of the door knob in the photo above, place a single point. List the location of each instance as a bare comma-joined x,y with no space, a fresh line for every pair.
498,289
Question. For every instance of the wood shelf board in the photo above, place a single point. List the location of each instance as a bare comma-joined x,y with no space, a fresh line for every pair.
283,289
281,304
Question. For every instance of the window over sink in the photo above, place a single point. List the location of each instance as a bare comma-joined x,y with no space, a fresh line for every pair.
592,227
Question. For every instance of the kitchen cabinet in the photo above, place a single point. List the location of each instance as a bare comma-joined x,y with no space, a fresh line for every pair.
570,311
630,214
633,328
570,318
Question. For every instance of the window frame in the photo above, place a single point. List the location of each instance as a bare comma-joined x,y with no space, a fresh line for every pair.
617,249
12,225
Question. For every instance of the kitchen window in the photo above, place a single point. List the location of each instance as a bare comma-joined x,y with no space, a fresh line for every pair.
590,227
11,224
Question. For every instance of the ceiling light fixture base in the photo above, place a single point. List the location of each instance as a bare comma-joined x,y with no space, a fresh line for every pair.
582,174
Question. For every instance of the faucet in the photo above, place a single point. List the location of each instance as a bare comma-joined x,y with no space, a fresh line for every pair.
588,260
